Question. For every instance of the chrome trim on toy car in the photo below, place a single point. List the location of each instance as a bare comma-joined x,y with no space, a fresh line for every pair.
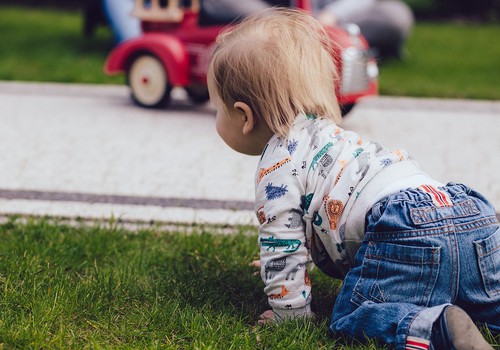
354,70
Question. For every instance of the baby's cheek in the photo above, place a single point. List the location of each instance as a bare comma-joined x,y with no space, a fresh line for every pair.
219,127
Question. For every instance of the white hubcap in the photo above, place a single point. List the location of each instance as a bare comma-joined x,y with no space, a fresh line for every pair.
148,80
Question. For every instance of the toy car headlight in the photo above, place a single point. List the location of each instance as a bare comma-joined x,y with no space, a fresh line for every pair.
357,70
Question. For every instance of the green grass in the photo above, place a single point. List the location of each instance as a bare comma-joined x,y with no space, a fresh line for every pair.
48,45
456,60
103,287
446,59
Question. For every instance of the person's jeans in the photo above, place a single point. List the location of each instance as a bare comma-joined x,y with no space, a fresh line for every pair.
423,250
124,25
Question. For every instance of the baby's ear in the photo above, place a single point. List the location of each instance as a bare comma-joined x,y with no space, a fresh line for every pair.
247,115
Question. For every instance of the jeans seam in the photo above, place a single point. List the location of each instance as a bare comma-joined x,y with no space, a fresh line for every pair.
431,232
407,331
484,261
480,223
428,232
420,216
455,266
433,280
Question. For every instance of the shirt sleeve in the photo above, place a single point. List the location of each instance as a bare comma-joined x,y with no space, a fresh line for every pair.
282,240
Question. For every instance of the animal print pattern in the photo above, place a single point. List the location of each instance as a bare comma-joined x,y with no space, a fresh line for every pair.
306,185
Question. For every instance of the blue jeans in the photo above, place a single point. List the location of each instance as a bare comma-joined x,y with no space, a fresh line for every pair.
123,24
418,257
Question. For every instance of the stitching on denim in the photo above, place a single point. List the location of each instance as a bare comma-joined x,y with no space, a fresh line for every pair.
360,297
489,252
432,281
485,258
430,232
420,277
422,215
409,325
354,300
487,281
372,296
482,222
441,230
455,261
382,293
411,262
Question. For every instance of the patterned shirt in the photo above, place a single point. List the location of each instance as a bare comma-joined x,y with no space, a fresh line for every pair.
306,187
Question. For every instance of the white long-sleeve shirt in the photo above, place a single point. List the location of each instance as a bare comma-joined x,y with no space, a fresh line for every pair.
313,190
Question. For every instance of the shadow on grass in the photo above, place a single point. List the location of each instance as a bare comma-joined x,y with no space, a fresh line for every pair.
115,288
112,266
215,270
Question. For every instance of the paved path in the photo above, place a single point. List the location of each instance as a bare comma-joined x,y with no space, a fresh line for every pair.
85,151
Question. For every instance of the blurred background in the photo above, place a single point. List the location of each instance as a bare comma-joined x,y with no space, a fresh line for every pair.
452,51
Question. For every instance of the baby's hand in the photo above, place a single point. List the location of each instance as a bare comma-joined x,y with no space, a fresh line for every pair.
267,317
270,317
255,263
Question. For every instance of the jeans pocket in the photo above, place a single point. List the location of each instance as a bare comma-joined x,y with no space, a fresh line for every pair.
397,273
488,252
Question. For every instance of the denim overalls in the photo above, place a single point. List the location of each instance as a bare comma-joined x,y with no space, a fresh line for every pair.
424,249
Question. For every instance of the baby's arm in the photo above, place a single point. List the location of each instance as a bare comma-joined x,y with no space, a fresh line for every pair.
283,251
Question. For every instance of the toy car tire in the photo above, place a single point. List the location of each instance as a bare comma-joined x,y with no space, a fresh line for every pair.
148,82
346,108
198,94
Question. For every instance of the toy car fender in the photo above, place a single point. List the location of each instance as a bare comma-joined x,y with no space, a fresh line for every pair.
168,49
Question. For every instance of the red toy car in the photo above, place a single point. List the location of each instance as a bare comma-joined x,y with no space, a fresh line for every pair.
176,44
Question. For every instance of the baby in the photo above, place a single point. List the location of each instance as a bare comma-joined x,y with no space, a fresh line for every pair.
419,259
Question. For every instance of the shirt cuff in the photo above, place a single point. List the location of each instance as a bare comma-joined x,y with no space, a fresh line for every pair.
289,314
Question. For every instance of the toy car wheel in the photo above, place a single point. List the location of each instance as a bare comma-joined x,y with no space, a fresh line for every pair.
345,109
148,82
198,93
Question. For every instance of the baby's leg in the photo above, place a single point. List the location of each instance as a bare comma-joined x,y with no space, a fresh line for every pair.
387,309
423,252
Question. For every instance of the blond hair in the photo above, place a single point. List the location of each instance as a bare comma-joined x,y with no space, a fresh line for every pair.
280,62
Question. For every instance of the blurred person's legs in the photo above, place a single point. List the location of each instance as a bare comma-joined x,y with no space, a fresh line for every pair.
225,11
123,24
387,27
386,24
93,16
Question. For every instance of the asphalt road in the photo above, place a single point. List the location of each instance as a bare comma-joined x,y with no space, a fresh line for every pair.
84,151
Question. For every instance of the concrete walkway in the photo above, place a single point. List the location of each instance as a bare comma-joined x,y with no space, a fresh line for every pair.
84,151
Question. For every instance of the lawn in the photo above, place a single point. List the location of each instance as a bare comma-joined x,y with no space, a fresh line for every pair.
445,59
104,287
453,60
48,45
